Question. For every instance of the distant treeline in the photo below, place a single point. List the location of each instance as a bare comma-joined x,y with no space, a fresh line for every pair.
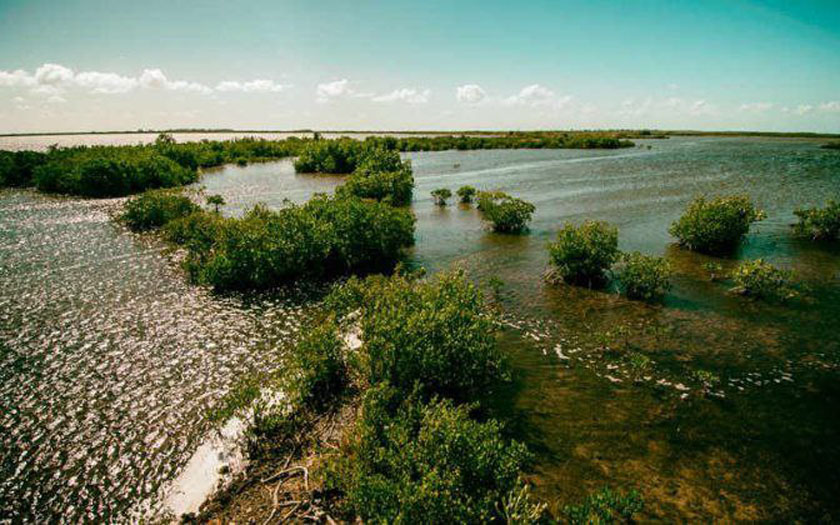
113,171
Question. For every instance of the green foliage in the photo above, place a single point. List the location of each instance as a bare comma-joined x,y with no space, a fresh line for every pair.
466,194
330,156
440,195
605,507
393,187
715,226
819,224
198,230
437,334
414,462
517,507
155,208
241,396
760,279
17,167
319,374
832,145
715,270
263,249
513,140
216,201
582,254
507,214
644,277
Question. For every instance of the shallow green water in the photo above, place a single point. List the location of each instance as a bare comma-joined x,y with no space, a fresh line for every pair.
760,444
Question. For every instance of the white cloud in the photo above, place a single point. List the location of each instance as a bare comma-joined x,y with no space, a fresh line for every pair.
252,86
334,89
53,75
756,107
409,95
156,79
533,95
833,106
107,83
16,78
470,94
803,109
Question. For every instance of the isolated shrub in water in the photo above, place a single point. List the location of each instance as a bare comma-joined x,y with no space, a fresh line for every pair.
644,277
466,194
717,225
582,254
440,195
394,187
819,224
605,506
412,462
762,280
155,208
507,214
216,201
318,368
436,333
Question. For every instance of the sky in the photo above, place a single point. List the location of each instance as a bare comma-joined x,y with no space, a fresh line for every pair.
96,65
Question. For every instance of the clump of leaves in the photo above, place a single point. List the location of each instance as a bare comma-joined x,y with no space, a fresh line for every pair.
506,214
437,333
408,461
819,224
709,379
715,270
466,194
638,362
760,279
440,195
154,208
318,369
517,508
644,277
393,187
582,254
604,507
717,225
216,201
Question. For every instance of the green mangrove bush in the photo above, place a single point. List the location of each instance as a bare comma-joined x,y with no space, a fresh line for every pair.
18,167
819,224
440,195
505,213
466,194
715,226
605,506
155,208
583,254
761,280
317,366
392,187
644,277
413,462
437,334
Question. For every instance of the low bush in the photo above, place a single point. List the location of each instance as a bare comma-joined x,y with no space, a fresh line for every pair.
330,156
644,277
583,254
216,201
414,462
466,194
819,224
319,374
715,226
762,280
393,187
605,506
507,214
326,236
155,208
437,334
17,167
440,195
199,230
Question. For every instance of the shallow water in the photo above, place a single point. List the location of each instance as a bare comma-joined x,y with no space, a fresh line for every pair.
109,358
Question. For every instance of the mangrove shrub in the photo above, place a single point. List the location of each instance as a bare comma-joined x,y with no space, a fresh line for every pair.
156,208
717,225
317,367
583,254
392,187
760,279
819,224
505,213
440,195
466,194
644,277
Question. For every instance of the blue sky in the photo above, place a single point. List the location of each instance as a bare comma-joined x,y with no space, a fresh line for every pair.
96,65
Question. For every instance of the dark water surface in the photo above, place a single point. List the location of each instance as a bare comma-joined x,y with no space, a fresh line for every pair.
108,358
